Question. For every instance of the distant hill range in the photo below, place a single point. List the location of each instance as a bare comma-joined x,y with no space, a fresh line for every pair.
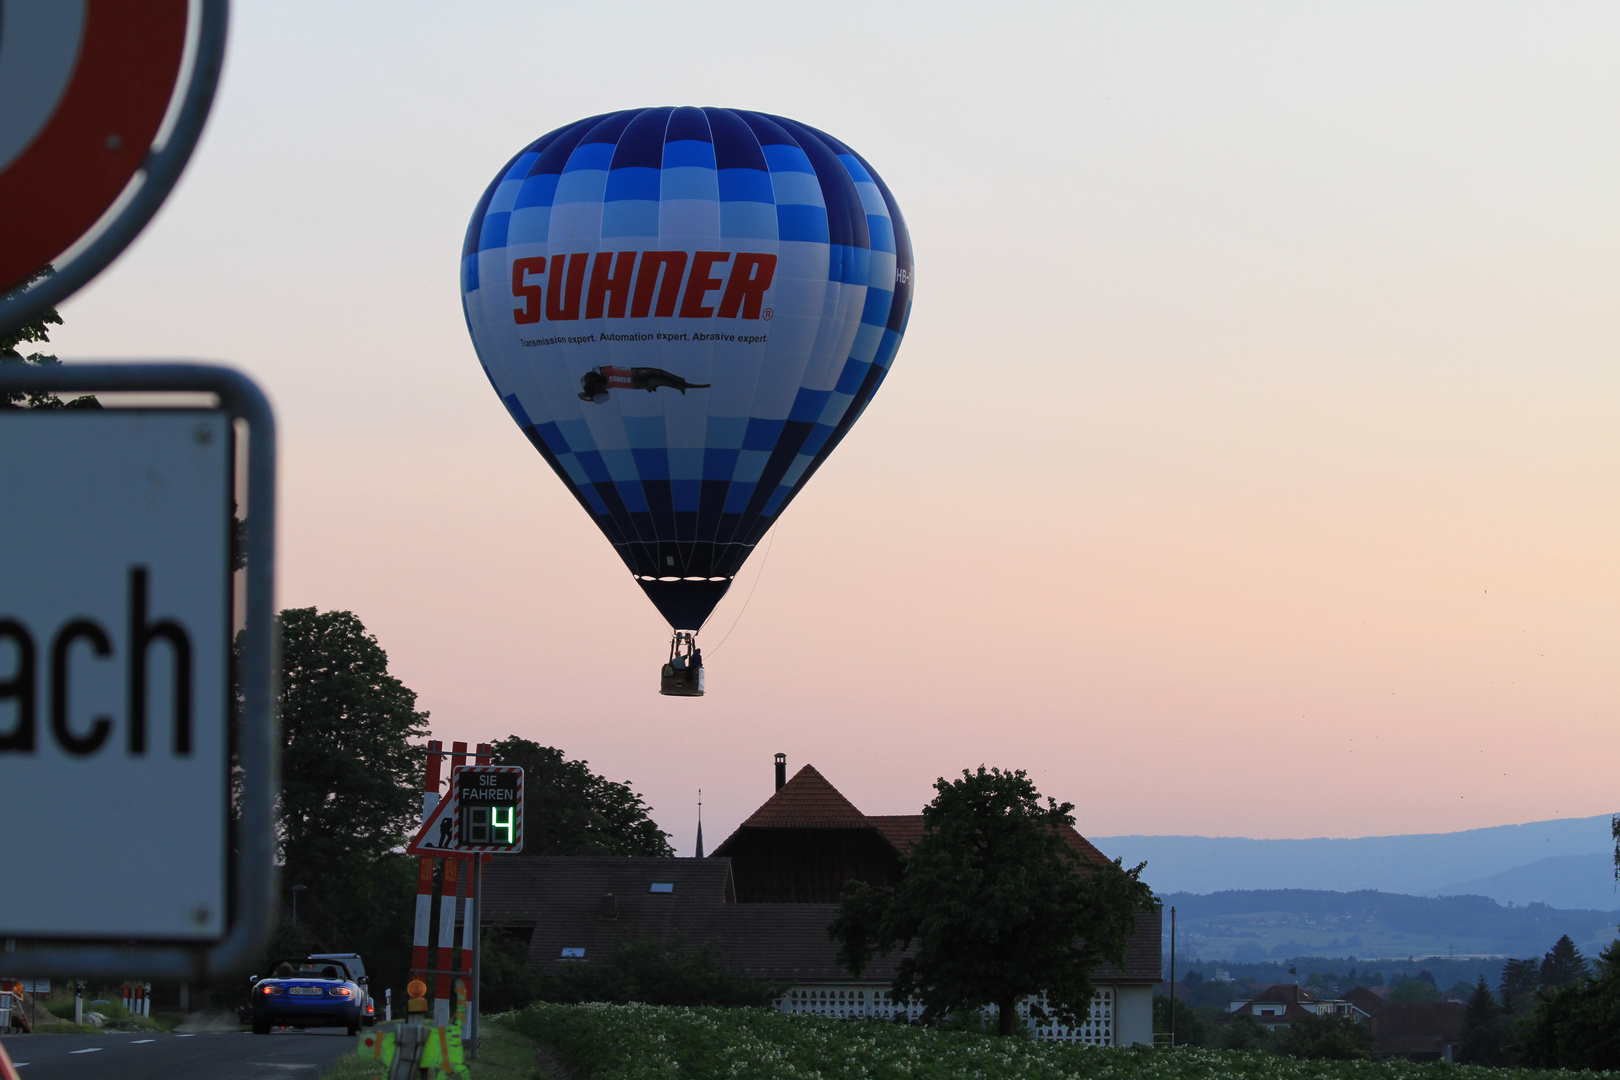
1252,925
1564,863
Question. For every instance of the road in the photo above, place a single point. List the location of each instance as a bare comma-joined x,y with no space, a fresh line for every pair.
211,1055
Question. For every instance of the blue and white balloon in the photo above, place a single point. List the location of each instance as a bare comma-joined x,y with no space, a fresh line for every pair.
685,310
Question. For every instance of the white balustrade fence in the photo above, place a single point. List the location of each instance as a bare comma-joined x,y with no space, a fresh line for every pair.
853,1001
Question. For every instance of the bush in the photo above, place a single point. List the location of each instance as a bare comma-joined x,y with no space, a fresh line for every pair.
646,972
1333,1038
641,1042
1243,1032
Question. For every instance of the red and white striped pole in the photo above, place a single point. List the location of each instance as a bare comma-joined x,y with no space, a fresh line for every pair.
449,890
424,874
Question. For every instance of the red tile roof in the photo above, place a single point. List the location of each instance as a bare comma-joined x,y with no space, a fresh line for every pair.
808,802
1364,999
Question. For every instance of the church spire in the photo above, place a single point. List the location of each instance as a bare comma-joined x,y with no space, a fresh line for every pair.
700,824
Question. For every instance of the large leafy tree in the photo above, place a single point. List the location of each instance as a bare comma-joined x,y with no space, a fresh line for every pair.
570,810
351,767
998,906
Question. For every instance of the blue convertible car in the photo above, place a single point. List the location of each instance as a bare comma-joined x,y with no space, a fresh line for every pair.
307,993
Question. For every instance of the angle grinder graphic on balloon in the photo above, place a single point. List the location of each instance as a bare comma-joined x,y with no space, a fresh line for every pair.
598,381
721,292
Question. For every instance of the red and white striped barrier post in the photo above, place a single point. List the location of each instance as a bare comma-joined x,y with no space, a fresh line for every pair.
467,914
449,890
424,875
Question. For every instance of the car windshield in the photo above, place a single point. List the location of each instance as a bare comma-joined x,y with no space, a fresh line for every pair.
309,969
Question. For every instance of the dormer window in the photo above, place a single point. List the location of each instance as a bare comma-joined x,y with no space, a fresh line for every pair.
572,952
661,887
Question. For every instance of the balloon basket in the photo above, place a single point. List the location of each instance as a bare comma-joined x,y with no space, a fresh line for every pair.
682,675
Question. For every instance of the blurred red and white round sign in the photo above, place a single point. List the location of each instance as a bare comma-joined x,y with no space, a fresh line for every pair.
84,86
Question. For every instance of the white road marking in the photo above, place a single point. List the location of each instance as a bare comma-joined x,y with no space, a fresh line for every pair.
138,1042
91,1050
186,1036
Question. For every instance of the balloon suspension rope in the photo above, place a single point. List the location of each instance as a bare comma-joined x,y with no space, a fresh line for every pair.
767,558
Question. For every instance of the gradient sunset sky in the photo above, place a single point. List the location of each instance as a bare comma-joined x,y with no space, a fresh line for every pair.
1249,467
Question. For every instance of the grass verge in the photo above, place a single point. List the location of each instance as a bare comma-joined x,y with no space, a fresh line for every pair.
643,1042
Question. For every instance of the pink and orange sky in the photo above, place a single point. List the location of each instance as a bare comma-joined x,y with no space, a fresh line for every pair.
1249,467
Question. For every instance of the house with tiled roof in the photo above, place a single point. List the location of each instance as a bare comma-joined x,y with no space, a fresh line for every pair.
1417,1031
1280,1004
764,900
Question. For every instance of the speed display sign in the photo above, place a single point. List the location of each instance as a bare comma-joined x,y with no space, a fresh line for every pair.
489,807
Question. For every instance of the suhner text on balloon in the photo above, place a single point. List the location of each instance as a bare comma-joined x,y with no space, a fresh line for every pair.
637,285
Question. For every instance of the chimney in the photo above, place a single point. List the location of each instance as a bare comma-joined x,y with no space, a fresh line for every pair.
610,907
781,771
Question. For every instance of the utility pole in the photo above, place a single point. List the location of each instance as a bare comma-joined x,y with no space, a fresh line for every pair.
1172,975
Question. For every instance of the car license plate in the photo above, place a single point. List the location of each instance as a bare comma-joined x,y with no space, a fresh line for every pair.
313,991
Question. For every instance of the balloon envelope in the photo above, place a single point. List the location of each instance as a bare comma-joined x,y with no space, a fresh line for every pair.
685,310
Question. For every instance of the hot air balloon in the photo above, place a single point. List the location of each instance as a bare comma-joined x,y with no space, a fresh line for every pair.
685,310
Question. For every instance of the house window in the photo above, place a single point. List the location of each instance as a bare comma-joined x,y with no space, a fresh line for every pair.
571,952
661,886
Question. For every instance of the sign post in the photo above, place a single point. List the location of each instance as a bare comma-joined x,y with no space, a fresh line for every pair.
481,816
117,679
489,817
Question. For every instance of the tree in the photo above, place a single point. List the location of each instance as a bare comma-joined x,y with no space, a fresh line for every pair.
1332,1037
350,786
1563,965
569,810
1190,1029
1520,978
36,330
998,906
1414,990
1488,1035
1578,1026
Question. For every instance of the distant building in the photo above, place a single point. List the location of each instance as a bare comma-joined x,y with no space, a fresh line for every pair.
764,900
1416,1031
1279,1004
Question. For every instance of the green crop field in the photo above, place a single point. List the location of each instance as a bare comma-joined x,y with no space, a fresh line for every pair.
645,1042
